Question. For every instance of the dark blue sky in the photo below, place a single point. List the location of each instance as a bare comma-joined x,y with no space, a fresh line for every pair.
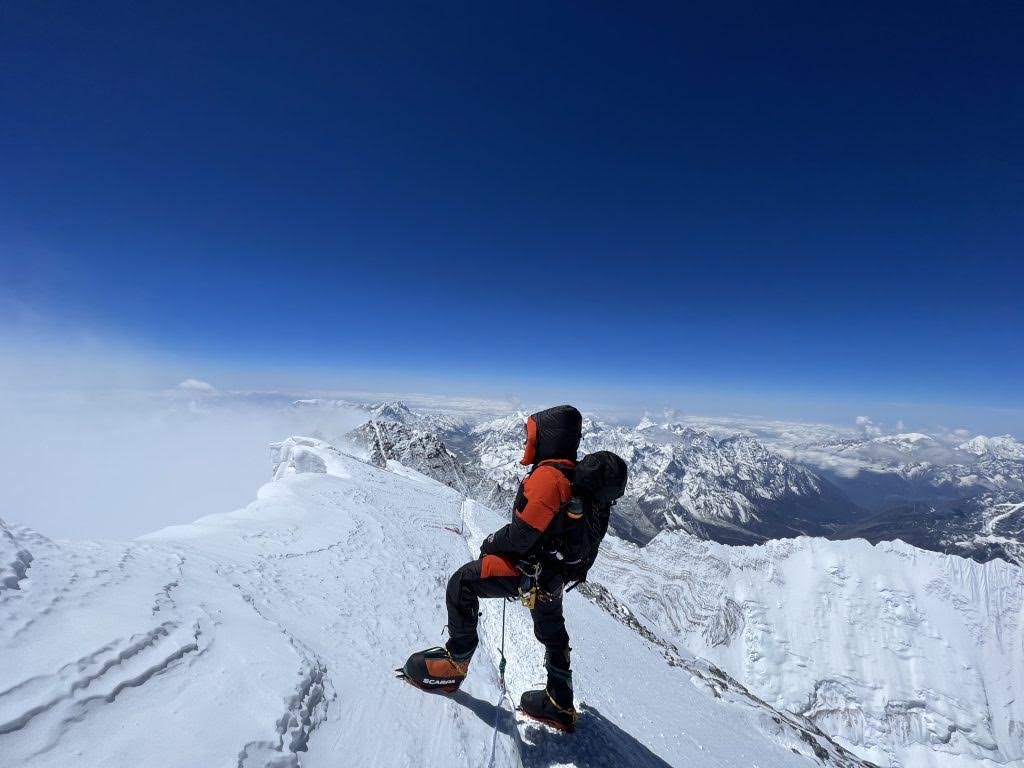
791,201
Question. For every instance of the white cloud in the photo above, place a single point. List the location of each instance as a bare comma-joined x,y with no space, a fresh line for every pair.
868,427
196,385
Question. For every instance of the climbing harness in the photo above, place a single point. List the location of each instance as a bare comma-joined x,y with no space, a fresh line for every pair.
528,589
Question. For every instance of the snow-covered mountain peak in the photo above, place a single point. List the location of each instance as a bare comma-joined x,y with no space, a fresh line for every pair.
423,451
499,442
646,423
321,402
906,438
503,425
1003,447
394,410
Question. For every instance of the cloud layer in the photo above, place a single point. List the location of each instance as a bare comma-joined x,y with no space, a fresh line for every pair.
116,465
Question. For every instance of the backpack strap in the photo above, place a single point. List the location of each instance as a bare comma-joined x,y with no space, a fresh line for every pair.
569,472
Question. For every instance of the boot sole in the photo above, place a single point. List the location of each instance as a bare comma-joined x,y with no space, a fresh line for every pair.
446,690
552,723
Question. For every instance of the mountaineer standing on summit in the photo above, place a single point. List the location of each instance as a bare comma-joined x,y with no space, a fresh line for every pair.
560,515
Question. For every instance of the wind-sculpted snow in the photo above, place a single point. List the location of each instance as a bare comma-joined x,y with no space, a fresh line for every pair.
299,455
266,638
906,656
14,559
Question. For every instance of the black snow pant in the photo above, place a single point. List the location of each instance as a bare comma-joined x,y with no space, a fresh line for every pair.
494,576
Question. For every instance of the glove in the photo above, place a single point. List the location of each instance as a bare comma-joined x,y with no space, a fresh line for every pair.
486,547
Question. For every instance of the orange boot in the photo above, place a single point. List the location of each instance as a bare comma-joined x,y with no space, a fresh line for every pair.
435,670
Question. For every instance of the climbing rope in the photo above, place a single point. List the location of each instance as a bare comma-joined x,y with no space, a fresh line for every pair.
501,663
501,696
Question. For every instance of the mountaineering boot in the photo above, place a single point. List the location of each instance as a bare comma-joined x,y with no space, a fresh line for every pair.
436,670
554,705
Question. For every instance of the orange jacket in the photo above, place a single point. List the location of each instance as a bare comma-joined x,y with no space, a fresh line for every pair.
541,495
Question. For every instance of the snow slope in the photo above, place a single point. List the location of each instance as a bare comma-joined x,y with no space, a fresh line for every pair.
908,657
267,637
242,639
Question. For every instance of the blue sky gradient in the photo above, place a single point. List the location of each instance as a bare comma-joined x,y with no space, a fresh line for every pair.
782,203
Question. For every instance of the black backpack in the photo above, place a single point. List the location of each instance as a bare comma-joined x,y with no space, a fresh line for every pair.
598,481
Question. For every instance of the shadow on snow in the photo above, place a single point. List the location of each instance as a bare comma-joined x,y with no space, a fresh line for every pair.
596,742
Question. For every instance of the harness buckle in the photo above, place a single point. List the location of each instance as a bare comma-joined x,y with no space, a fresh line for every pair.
528,589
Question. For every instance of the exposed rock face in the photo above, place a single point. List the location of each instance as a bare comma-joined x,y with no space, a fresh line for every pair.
387,441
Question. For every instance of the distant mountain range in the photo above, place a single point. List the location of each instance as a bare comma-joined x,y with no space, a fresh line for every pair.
964,497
